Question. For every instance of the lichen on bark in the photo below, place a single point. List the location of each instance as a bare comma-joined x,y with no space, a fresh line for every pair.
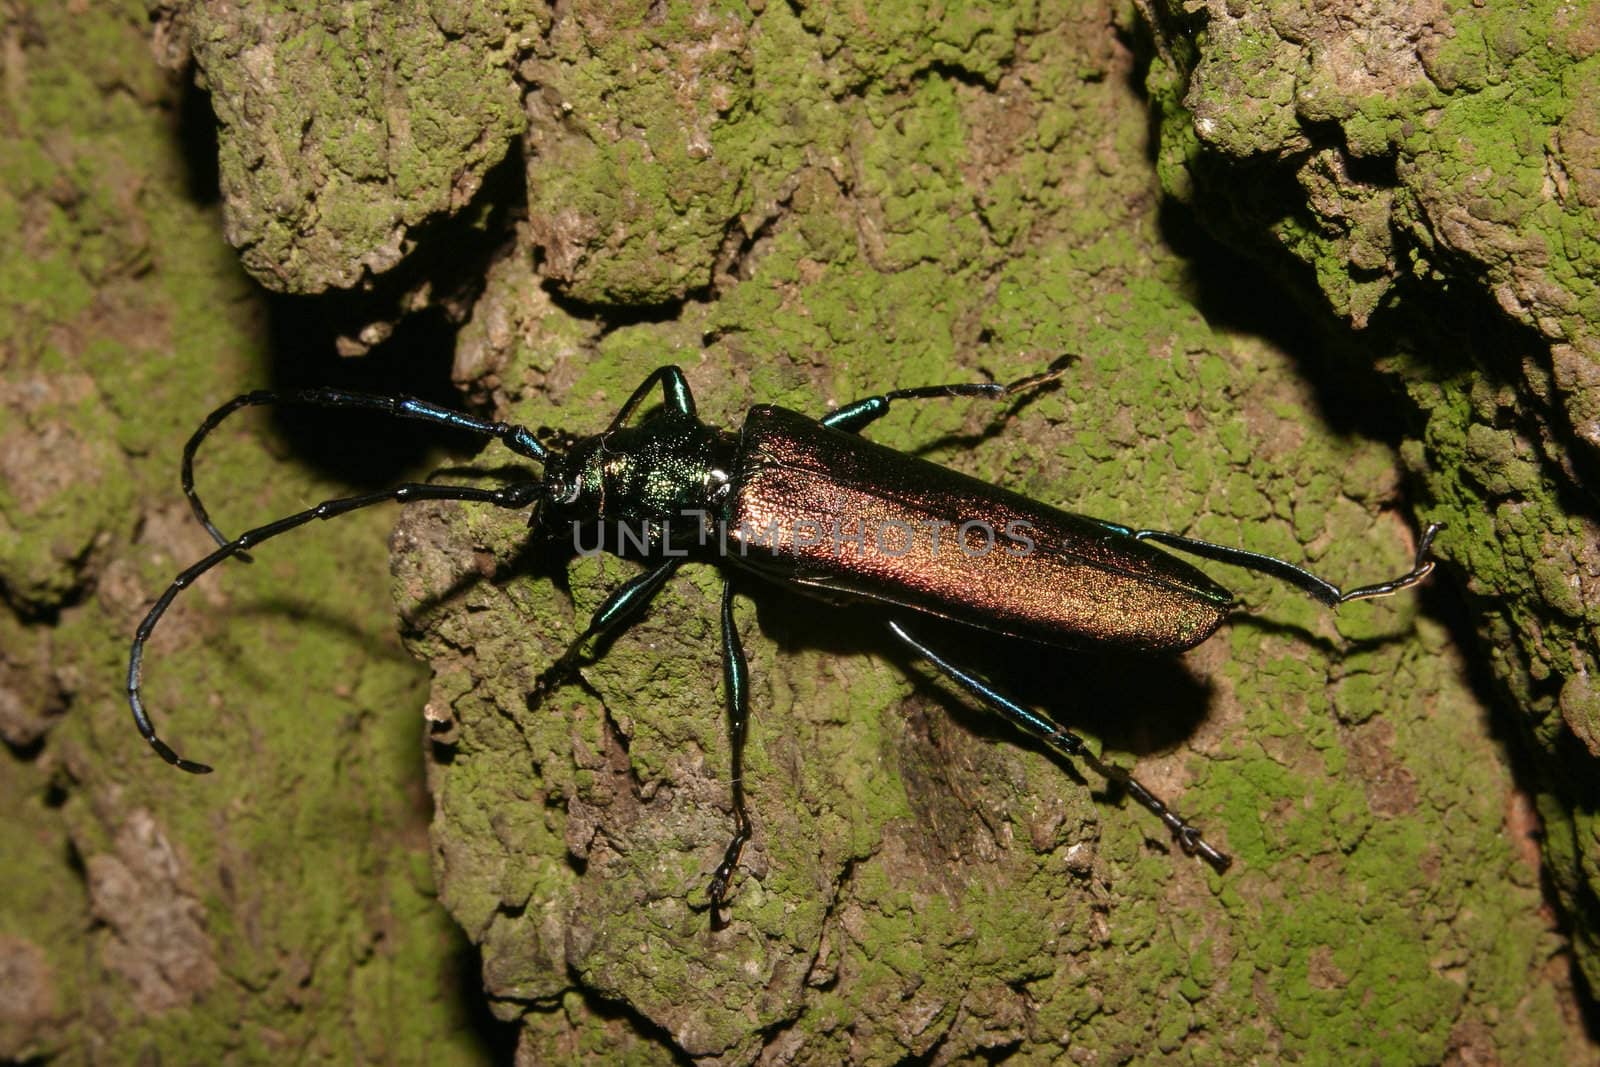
1436,167
280,909
799,204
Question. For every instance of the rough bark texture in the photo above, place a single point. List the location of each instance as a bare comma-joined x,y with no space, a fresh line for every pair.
1438,168
806,204
280,910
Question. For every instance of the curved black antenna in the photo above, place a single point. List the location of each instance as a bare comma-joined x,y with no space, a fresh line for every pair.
515,496
517,438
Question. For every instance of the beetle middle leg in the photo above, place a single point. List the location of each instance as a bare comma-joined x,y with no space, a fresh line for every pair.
1187,835
736,690
852,418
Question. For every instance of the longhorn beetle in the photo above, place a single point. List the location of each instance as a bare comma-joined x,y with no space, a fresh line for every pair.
812,504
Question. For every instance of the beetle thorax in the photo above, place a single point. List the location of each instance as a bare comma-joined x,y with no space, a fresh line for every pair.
672,467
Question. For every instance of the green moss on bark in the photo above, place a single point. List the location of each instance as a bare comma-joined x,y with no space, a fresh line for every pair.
799,206
1441,165
920,883
282,907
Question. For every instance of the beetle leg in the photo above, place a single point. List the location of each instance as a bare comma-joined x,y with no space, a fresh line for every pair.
852,418
1188,836
736,690
1298,577
675,395
515,496
621,606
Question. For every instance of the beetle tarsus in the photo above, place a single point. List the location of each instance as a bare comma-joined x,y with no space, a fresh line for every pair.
1191,841
165,751
1188,836
722,879
1049,374
1284,571
1419,570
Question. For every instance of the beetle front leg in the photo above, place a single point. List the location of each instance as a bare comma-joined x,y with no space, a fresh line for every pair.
621,606
852,418
736,690
1188,836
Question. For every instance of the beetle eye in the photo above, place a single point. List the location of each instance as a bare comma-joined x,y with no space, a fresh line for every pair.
569,493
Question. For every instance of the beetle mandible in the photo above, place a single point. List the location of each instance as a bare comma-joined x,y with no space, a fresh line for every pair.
1032,571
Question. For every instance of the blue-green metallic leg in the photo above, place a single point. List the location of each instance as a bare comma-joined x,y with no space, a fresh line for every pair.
1035,725
1285,571
736,689
852,418
675,394
623,605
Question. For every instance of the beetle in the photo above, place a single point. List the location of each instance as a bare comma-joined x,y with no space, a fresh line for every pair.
777,495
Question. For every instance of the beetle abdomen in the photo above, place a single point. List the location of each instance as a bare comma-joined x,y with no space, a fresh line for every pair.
839,514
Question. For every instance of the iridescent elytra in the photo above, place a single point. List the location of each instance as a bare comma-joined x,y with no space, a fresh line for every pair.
811,504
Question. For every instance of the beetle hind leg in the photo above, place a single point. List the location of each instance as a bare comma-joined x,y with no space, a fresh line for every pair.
1188,836
1299,577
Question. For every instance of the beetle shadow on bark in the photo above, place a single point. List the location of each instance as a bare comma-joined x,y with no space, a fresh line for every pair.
1226,286
309,617
1138,704
378,338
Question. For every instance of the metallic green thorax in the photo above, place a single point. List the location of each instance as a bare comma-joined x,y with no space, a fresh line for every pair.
673,466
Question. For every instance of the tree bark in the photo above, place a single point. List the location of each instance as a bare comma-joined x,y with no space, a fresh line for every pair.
800,205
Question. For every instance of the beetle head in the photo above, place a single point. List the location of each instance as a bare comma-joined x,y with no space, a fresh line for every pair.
574,484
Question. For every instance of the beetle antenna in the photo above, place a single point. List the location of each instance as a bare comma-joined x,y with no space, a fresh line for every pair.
518,495
517,438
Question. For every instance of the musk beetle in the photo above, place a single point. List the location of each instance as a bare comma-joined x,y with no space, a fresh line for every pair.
810,503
